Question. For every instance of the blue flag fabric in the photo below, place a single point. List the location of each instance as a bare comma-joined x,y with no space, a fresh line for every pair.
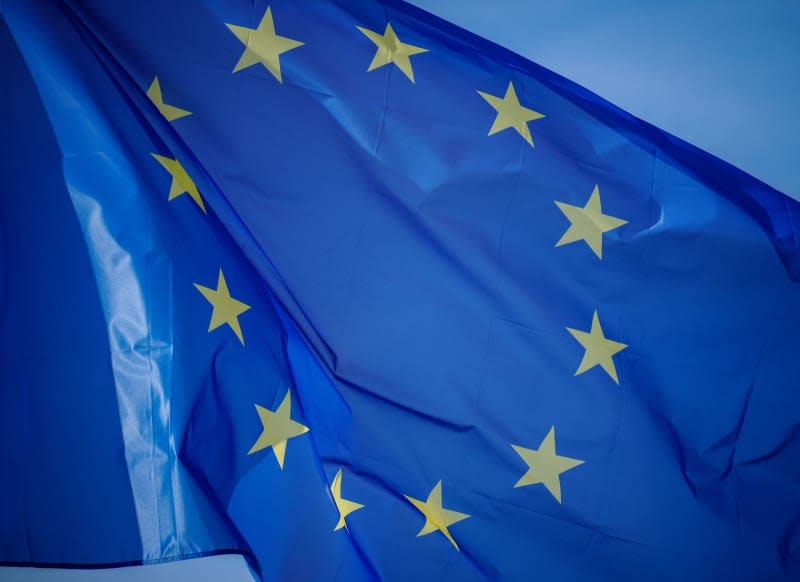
346,289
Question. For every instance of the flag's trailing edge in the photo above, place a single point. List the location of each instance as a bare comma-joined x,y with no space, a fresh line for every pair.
356,293
776,213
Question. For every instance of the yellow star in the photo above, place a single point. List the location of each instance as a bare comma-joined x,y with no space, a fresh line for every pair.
436,516
392,50
511,114
588,223
544,465
170,112
226,309
181,182
262,45
278,428
599,350
345,506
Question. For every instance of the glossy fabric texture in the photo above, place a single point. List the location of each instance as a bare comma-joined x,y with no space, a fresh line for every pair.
404,282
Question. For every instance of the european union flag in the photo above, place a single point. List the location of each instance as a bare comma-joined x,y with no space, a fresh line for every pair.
348,290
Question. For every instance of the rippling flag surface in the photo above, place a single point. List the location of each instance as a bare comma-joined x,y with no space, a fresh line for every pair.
348,290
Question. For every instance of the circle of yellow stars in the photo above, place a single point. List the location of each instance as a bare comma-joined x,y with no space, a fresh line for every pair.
587,223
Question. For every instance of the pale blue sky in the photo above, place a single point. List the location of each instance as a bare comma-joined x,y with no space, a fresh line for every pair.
722,74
